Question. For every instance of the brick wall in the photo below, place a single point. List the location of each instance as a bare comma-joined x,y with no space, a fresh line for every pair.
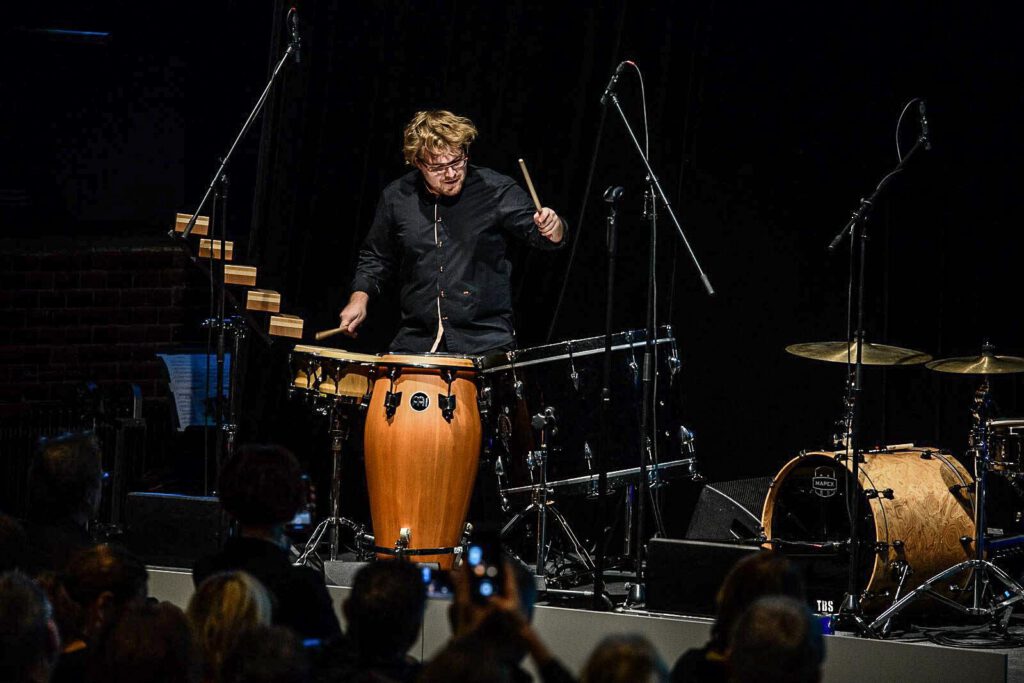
70,314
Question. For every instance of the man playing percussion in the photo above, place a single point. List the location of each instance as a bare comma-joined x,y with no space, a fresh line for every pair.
443,228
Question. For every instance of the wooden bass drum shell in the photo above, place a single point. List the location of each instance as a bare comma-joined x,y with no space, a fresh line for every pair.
920,523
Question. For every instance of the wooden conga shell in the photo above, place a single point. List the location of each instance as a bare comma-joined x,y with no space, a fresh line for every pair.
420,467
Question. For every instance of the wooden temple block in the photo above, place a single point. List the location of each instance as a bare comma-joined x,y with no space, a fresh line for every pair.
240,275
263,300
286,326
206,246
202,226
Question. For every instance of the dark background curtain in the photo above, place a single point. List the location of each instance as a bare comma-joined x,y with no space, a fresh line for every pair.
768,121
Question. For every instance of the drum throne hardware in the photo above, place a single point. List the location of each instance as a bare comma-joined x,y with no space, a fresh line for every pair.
338,384
542,503
983,576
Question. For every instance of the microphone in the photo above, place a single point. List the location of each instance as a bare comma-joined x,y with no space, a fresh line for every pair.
613,194
922,119
614,79
293,22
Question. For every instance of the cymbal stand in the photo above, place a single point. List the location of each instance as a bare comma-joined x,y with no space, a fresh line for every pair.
982,575
339,432
541,502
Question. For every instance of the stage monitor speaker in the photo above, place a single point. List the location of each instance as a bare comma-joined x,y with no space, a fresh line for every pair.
729,510
171,530
684,575
341,573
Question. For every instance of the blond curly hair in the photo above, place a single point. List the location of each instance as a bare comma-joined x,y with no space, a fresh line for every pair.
436,131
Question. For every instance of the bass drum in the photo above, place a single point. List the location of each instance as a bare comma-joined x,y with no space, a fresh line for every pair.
918,515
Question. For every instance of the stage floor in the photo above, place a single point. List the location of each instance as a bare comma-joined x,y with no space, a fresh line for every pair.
573,633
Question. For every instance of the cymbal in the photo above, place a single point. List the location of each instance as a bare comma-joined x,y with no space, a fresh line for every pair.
873,354
986,364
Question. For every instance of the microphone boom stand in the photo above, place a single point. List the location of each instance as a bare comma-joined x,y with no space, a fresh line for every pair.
637,591
851,609
218,189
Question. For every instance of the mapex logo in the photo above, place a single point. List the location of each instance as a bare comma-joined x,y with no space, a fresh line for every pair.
824,482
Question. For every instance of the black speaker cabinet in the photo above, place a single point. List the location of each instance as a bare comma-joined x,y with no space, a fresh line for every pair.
171,530
684,575
729,510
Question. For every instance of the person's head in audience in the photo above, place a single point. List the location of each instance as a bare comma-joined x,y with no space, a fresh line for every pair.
29,643
151,642
463,661
385,609
225,605
267,654
261,488
755,576
104,580
624,659
776,640
13,543
65,479
67,614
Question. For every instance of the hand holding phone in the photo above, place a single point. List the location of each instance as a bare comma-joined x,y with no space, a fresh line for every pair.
486,563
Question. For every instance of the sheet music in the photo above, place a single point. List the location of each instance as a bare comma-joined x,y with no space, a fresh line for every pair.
188,382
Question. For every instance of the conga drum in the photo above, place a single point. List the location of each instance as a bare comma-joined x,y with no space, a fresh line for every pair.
422,445
332,373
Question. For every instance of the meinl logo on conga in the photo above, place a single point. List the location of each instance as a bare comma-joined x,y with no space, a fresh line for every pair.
824,482
419,401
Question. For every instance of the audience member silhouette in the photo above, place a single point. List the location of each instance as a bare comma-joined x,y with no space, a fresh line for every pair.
267,654
103,581
261,488
776,640
384,615
28,636
499,628
67,614
151,642
624,659
63,497
755,576
222,608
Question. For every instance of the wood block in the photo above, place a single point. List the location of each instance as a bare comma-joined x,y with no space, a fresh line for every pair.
263,300
206,246
285,325
240,275
202,226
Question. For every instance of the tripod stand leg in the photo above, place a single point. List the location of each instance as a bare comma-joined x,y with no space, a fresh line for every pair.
570,535
516,519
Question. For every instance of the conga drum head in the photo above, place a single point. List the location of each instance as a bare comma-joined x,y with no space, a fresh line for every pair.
911,519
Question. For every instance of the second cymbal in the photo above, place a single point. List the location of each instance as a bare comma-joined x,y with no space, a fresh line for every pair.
985,364
843,352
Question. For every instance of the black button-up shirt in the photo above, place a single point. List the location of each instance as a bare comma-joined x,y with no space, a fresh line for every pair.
465,273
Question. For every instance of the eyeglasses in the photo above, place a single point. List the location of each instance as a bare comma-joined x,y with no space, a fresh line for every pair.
439,169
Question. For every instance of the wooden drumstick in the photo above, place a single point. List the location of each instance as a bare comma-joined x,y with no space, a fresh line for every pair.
529,184
324,334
